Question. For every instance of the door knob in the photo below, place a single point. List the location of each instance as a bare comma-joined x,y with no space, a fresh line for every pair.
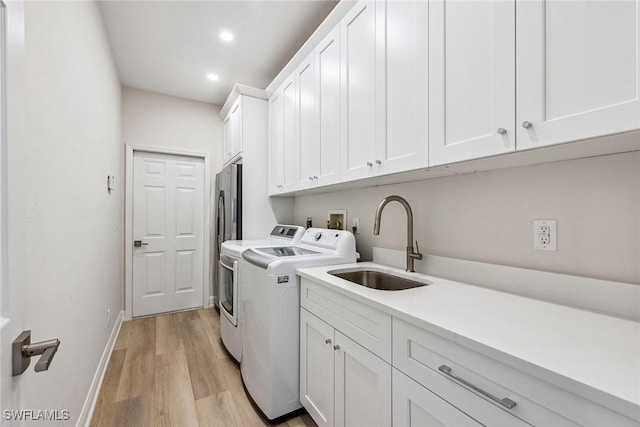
138,244
527,125
23,350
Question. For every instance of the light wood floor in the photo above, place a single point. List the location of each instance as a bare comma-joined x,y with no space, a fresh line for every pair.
172,370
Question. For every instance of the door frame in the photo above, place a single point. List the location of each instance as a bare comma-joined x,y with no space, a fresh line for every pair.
128,220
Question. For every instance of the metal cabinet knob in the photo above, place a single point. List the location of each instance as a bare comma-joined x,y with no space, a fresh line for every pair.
278,186
310,178
527,125
502,131
327,341
336,347
378,162
315,177
369,164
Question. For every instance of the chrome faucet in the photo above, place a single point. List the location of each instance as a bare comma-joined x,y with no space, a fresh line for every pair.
411,255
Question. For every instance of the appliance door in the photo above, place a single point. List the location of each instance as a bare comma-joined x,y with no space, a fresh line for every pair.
228,280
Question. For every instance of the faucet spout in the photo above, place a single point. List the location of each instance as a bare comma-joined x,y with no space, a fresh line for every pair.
411,254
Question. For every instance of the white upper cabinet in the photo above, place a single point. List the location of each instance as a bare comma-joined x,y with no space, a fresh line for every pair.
283,117
363,88
471,79
227,141
232,127
407,73
276,142
327,60
578,70
309,141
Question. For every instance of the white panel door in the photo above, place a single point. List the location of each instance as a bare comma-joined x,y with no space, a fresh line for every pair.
578,69
362,384
276,142
228,139
236,125
363,88
308,135
290,135
328,101
407,62
415,406
316,368
168,218
471,79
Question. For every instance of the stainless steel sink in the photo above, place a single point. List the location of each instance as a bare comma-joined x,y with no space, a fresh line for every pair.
377,280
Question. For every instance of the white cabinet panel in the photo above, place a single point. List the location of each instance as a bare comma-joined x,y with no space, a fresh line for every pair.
290,135
415,406
328,98
276,142
363,88
578,69
236,128
309,143
317,368
227,141
471,79
407,75
363,386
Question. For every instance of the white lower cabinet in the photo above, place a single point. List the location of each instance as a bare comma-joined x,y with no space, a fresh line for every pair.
415,406
348,377
341,382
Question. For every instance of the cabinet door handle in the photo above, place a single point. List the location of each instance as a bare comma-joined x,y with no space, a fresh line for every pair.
310,178
379,162
327,341
506,402
369,164
336,347
502,131
527,125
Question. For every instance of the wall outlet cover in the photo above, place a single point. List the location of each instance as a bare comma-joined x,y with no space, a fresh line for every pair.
545,234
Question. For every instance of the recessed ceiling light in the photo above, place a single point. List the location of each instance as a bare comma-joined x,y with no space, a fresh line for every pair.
212,77
226,36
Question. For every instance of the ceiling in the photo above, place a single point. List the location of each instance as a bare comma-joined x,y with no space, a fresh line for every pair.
170,46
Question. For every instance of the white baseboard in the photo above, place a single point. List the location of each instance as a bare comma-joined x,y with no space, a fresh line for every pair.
92,397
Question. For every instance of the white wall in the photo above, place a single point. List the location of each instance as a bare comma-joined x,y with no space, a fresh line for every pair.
487,216
64,245
156,120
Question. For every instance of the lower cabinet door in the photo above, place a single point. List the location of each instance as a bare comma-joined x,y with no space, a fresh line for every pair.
316,368
362,385
414,405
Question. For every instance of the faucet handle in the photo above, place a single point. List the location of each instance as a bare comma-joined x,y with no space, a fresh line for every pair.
417,253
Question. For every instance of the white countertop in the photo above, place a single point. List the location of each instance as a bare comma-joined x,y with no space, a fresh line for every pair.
592,355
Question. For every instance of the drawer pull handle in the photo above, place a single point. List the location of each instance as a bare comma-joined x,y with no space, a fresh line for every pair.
506,402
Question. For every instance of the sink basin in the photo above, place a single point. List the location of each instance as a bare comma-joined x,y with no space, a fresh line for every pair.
377,279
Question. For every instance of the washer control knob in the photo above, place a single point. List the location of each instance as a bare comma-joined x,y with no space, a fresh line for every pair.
318,236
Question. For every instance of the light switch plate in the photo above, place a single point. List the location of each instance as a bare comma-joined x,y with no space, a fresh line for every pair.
545,234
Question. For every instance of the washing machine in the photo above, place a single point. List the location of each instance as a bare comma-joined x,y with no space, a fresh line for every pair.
231,277
271,312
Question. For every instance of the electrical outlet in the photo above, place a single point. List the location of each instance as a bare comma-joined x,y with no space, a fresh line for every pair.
545,234
356,226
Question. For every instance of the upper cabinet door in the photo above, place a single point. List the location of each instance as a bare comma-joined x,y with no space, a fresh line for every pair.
276,142
471,79
290,135
363,88
327,57
228,139
578,70
407,71
309,141
236,127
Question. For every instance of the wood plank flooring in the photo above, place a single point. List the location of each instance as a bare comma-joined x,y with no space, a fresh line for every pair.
172,370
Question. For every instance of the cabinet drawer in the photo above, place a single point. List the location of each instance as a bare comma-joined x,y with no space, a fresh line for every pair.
421,354
367,326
